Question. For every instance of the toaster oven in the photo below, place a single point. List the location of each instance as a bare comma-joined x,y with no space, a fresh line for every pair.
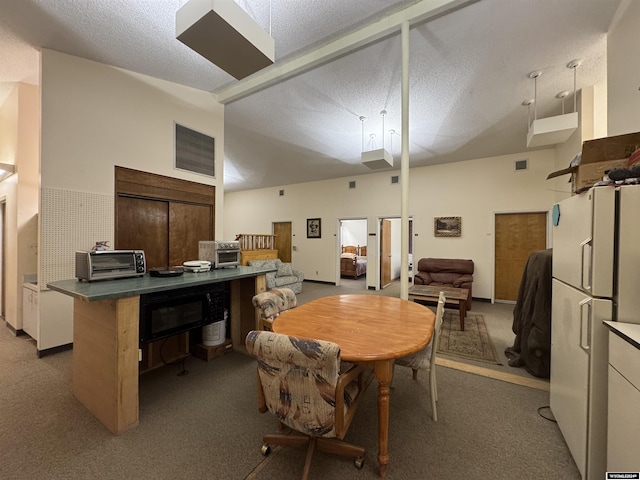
221,254
110,264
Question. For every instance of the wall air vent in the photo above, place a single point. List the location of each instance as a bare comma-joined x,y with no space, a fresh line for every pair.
519,165
395,179
195,152
352,184
281,193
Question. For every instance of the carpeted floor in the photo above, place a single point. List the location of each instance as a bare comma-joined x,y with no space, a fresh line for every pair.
206,425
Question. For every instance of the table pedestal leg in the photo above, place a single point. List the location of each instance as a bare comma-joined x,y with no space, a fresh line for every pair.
384,373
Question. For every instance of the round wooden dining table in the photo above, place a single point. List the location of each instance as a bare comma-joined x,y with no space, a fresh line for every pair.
372,330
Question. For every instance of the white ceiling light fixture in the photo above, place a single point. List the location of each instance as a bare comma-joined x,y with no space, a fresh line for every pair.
223,33
557,129
378,158
6,170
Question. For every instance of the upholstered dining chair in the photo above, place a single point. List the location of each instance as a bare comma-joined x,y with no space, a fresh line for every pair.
272,303
299,381
425,359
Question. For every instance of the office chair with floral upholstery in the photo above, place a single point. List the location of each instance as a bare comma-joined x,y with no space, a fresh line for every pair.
272,303
425,359
299,381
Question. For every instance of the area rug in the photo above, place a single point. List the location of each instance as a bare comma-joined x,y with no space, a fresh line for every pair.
472,344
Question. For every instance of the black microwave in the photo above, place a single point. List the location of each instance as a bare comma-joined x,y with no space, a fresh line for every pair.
163,314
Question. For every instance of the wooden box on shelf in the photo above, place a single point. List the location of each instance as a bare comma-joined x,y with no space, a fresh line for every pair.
208,353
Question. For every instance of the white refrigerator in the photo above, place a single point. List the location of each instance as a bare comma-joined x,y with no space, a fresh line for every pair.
596,277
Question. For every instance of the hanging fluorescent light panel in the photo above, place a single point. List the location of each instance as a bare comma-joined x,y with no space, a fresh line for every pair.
552,130
377,159
223,33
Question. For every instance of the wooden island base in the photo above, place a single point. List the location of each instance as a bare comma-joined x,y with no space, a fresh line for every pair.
105,360
106,341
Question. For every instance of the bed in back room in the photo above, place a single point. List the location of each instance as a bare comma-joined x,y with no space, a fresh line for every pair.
353,261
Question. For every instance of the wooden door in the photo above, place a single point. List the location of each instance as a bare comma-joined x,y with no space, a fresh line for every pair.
516,236
282,231
143,224
188,224
385,253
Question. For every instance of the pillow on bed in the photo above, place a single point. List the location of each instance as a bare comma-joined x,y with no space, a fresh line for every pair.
347,255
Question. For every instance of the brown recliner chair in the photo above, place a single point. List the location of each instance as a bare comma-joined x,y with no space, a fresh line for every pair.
449,272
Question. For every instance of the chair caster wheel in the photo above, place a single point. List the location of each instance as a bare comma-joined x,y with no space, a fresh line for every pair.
265,450
359,463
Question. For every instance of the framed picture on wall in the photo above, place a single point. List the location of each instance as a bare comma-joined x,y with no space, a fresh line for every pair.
447,226
313,228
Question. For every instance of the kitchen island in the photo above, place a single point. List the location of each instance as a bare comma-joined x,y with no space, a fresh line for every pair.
106,346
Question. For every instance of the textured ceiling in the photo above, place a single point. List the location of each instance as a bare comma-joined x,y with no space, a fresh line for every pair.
468,75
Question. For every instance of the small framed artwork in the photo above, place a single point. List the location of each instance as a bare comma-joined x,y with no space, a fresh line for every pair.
313,228
447,226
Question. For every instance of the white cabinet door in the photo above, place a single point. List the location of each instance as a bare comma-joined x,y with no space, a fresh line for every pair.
624,406
30,311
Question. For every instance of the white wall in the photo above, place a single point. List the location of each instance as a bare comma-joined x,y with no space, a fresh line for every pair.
95,117
623,70
474,190
354,232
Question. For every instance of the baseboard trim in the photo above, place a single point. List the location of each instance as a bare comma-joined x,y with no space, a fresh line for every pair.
319,281
52,350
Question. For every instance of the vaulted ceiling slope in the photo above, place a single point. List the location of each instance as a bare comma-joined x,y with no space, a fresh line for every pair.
468,68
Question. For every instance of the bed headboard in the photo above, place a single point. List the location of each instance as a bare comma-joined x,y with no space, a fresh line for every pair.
359,251
350,249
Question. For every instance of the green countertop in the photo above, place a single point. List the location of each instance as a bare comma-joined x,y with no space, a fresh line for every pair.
130,287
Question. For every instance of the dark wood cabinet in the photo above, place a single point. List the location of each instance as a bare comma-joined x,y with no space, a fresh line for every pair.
188,224
166,217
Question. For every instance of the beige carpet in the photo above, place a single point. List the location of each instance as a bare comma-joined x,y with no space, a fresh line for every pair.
472,344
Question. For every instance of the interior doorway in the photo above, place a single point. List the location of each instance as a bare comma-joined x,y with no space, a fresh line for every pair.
284,240
390,250
352,257
385,253
516,236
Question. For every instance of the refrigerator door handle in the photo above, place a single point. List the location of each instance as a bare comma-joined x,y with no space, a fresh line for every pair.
585,273
585,324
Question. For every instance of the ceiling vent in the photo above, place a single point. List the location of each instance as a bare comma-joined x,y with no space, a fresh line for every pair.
520,165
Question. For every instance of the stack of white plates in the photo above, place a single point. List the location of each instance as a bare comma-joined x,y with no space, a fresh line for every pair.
197,266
